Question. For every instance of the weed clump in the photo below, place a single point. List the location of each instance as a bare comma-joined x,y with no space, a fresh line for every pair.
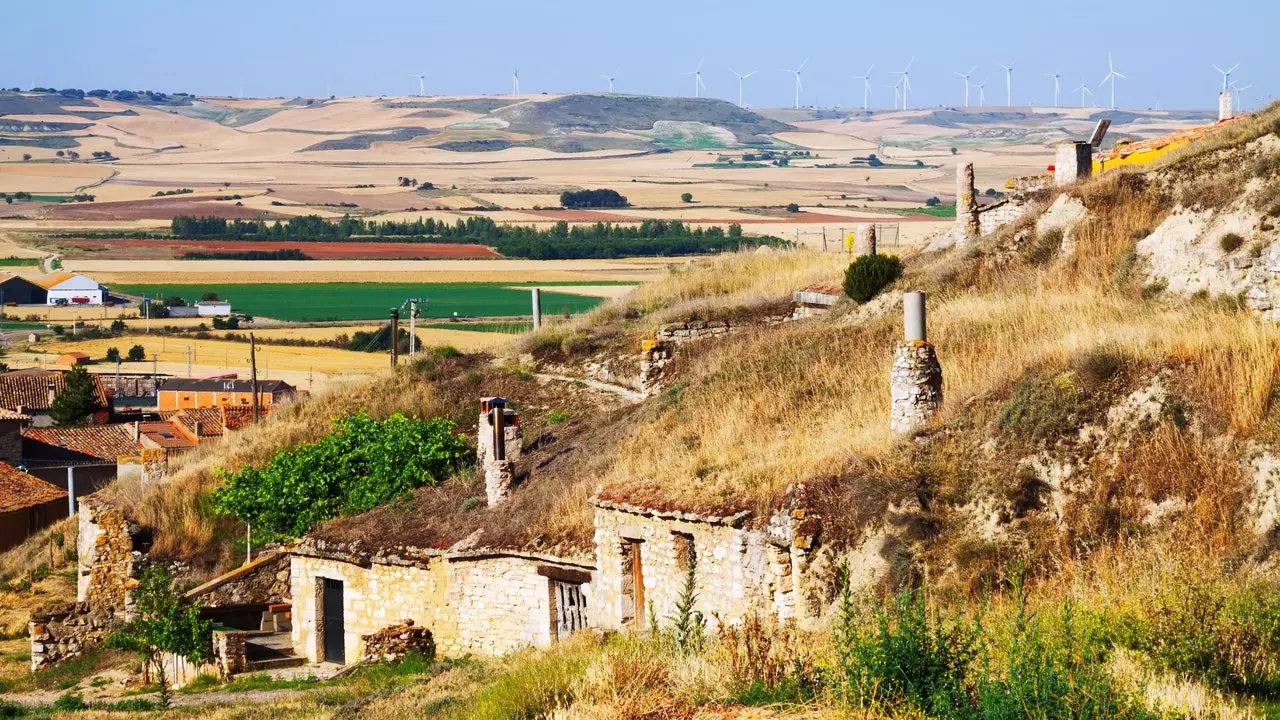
1044,247
1230,242
870,274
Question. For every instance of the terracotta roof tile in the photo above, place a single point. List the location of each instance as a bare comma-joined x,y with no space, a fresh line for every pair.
20,490
30,391
108,442
164,434
6,414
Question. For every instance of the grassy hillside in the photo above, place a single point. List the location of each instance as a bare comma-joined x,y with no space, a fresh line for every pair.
601,113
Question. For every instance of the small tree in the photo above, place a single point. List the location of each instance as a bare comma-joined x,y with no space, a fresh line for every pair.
137,353
118,325
869,275
954,151
793,208
933,202
113,354
164,622
26,156
208,295
78,400
686,197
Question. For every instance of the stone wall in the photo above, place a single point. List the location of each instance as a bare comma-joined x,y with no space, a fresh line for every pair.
66,631
654,356
488,605
261,582
11,442
512,434
991,217
394,642
657,352
683,332
739,571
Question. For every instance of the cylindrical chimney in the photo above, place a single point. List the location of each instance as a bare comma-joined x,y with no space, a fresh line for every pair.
913,317
537,308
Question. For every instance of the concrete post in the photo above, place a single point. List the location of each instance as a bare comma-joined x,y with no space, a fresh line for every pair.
1225,111
1073,163
915,382
966,205
537,308
913,317
864,239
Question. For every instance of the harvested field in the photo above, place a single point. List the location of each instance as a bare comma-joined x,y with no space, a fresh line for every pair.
368,301
174,249
464,340
161,208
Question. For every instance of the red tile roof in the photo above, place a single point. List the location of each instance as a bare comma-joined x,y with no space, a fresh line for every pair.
210,420
20,490
108,442
30,391
165,435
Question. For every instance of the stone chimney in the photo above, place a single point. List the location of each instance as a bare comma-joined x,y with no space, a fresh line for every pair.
494,441
1224,106
1072,163
966,205
137,431
915,383
864,239
195,429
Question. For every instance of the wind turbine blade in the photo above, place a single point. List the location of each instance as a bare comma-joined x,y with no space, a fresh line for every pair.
1105,79
1110,65
806,62
1126,77
1215,67
908,67
869,70
753,72
704,57
975,67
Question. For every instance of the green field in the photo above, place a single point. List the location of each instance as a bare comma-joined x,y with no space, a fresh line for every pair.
19,262
510,328
370,301
939,211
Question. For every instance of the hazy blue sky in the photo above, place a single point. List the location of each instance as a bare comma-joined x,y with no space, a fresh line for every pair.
290,48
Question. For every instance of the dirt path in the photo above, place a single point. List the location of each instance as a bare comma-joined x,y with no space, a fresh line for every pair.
217,697
625,393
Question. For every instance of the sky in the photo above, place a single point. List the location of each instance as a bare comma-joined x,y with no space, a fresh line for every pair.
288,48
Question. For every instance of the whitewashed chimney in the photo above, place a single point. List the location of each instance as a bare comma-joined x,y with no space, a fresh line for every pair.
915,383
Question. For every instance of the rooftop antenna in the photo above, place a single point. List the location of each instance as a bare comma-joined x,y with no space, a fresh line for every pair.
966,83
1008,82
906,81
515,82
866,86
796,72
1056,86
1084,89
698,85
1111,77
611,77
422,88
741,77
1226,75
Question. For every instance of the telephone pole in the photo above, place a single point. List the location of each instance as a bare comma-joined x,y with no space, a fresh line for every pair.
253,374
395,333
413,327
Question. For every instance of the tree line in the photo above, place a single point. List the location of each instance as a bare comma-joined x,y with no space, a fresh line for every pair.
560,241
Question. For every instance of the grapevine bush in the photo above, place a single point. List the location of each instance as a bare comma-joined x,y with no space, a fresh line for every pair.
362,464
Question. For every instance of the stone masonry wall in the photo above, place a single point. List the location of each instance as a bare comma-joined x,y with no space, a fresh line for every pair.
738,571
265,580
485,606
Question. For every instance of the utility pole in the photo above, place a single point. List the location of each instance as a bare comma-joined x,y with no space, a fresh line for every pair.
188,361
413,327
71,490
253,373
146,309
537,308
395,332
117,374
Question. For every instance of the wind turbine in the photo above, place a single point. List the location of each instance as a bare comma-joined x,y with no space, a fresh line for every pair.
1056,86
796,72
698,85
1008,83
897,93
421,87
982,93
1239,93
866,86
741,77
515,82
1226,75
1111,76
1084,89
611,77
906,81
966,83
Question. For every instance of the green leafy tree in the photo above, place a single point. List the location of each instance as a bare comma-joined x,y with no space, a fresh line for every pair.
137,353
359,466
78,400
118,325
793,208
113,354
686,197
208,295
164,622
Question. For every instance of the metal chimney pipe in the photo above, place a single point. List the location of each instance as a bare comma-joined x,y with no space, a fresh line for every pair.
913,317
499,432
537,308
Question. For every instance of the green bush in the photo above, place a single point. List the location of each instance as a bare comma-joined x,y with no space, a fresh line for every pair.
686,197
869,275
1230,242
70,702
793,208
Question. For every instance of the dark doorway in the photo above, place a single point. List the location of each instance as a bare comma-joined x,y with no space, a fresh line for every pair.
334,628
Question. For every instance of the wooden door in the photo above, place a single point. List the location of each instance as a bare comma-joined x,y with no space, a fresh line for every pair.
637,583
571,608
334,640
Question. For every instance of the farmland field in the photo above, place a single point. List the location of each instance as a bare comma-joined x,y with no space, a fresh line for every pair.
160,249
369,301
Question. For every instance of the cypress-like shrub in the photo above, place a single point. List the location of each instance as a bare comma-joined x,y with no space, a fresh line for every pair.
869,275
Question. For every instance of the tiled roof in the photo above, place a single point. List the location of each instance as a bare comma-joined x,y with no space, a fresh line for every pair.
193,385
210,419
31,391
165,435
824,288
108,442
234,418
13,415
20,490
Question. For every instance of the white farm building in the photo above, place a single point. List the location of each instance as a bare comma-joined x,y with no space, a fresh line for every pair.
76,289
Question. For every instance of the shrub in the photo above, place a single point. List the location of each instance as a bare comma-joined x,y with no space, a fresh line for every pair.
70,702
1230,242
870,274
555,417
933,202
113,354
137,353
686,197
793,208
445,351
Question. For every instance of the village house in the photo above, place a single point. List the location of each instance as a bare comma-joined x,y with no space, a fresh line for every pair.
184,393
81,459
27,505
31,392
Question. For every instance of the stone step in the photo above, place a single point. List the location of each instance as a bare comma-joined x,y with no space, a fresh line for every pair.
274,664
